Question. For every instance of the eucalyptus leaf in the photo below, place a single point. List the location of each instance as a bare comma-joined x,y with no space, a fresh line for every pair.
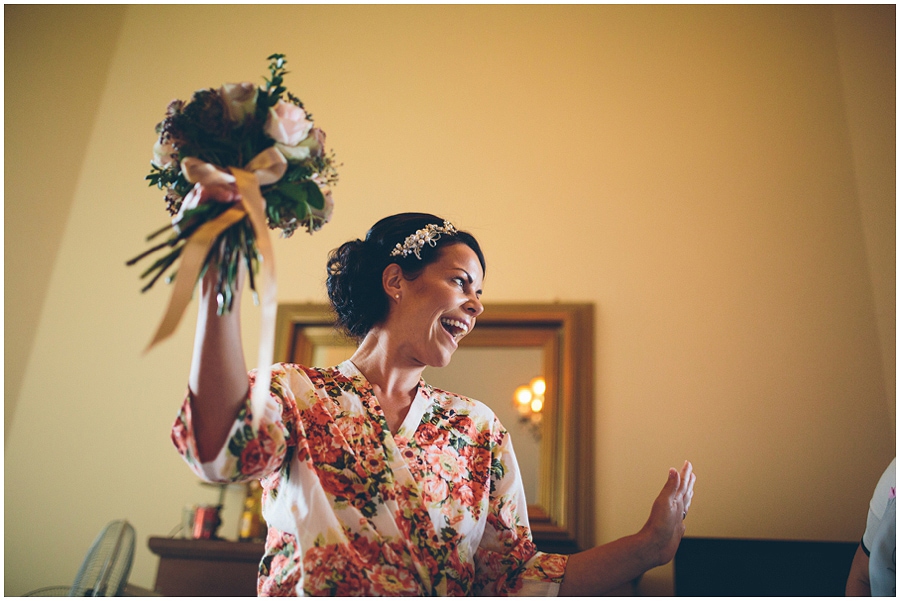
296,192
314,194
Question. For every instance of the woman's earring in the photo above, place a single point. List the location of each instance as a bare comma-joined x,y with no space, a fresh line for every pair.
397,296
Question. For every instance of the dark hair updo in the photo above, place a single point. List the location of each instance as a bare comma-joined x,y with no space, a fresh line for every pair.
355,268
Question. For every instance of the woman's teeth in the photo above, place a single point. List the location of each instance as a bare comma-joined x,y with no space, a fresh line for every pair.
456,328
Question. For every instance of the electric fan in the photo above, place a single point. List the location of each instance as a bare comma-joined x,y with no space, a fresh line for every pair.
104,571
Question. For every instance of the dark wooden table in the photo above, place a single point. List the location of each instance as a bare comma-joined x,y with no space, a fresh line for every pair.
206,568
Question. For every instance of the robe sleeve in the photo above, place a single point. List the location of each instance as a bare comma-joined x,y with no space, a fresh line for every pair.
248,454
507,562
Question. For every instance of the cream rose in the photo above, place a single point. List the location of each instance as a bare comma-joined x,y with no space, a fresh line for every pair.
287,123
239,99
311,146
294,154
164,153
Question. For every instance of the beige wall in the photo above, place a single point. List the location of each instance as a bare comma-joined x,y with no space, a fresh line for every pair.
719,181
51,52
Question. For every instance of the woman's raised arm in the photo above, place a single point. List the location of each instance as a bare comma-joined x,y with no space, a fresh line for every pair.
218,378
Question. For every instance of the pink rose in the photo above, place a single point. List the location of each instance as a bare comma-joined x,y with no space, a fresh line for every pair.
464,494
258,452
447,463
253,457
434,489
287,123
427,434
315,141
554,566
239,99
279,564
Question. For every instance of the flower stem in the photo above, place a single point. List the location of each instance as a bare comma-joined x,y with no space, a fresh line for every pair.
166,263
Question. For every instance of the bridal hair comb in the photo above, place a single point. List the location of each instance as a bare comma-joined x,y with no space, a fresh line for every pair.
430,234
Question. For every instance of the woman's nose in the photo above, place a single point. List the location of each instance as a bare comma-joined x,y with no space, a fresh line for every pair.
474,307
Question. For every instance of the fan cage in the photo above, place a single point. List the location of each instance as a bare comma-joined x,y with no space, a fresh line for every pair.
105,570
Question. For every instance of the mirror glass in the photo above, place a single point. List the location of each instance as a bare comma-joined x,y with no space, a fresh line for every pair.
511,346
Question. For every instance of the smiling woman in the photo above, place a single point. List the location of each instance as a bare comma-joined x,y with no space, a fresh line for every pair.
377,483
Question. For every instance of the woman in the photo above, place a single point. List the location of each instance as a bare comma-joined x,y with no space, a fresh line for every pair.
376,483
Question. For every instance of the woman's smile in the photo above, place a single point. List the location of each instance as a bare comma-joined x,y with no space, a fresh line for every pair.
456,328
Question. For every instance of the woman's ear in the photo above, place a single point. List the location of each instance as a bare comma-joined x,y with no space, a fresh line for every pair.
392,280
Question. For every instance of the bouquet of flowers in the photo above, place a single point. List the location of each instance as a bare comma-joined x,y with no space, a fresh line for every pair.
203,142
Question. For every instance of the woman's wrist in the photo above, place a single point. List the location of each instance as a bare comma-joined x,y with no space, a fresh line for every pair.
649,548
603,569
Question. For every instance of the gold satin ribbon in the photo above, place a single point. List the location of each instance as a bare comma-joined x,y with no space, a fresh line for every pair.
255,204
265,168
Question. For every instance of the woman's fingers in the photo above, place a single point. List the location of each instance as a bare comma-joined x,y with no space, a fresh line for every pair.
673,484
686,471
688,488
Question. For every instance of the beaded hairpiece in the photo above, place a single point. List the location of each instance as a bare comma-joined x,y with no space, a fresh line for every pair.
414,243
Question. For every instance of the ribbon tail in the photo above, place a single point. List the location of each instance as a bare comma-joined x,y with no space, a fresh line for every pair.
255,205
192,258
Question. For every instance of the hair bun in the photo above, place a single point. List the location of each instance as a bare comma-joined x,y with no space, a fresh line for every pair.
345,264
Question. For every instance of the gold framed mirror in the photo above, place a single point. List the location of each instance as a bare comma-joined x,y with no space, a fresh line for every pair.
555,339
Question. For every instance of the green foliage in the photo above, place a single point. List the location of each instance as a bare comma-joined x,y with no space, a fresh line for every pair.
274,88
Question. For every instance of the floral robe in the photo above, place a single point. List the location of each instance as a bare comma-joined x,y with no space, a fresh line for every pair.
436,509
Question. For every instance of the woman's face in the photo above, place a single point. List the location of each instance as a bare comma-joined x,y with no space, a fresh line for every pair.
439,307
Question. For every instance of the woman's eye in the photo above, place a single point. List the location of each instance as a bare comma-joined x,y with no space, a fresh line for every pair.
459,282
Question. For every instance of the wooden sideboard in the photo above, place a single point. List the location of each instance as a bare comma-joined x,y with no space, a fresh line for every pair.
206,568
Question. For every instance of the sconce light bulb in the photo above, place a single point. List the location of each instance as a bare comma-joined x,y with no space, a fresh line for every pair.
537,404
523,395
539,386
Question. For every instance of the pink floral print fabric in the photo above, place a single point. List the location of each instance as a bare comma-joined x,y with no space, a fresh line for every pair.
436,509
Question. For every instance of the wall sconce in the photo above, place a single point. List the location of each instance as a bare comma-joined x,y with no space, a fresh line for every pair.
529,402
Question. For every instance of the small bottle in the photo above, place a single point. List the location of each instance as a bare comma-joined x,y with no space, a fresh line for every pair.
252,525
